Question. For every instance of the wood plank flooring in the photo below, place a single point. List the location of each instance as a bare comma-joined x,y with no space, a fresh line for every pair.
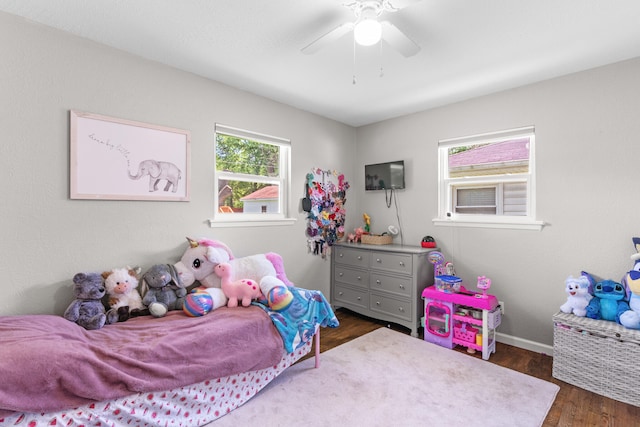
573,407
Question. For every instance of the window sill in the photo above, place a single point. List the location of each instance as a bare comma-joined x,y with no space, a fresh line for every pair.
220,223
503,224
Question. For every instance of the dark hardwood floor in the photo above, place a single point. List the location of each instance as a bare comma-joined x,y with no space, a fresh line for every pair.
573,407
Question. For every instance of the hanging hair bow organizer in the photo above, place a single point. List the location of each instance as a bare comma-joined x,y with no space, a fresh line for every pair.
325,199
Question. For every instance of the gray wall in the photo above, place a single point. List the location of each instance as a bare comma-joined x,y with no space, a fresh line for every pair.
587,151
586,136
47,238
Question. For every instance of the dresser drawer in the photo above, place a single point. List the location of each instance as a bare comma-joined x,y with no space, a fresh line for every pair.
398,285
351,276
354,257
350,296
390,306
397,263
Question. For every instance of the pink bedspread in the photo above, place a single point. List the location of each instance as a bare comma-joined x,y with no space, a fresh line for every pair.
48,363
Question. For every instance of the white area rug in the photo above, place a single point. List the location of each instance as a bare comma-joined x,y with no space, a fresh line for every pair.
387,378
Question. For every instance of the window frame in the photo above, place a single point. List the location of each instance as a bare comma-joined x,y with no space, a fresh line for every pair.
446,185
283,181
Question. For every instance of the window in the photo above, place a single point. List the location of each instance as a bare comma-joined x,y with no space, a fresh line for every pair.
251,178
488,180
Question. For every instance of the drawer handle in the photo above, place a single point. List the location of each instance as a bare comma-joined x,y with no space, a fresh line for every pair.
340,293
401,264
359,298
401,309
340,254
359,257
377,282
401,286
359,278
377,302
341,274
378,260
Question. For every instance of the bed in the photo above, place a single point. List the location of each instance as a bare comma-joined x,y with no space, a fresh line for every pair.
174,371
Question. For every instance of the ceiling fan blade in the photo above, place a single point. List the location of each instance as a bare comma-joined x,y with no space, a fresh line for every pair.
398,40
328,38
395,5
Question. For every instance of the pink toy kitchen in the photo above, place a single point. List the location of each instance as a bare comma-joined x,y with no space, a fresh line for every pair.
454,315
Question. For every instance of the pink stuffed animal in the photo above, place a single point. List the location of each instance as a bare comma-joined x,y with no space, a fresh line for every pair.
244,290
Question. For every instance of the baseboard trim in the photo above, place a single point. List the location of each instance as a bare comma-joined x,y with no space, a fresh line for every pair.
526,344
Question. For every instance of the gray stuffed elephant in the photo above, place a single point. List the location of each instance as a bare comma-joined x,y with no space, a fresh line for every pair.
162,289
157,172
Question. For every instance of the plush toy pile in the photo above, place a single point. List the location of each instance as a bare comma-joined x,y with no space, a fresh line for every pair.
201,258
112,296
607,299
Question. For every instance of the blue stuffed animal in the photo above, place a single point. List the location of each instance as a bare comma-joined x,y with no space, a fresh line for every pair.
631,318
608,302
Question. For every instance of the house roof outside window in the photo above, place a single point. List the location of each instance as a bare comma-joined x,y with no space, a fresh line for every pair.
491,159
266,193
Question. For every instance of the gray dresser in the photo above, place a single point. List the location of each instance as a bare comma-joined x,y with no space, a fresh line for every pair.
381,281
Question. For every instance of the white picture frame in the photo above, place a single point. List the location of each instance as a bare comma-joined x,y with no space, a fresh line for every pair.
117,159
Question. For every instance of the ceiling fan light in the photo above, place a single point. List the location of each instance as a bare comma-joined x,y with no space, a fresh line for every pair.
367,32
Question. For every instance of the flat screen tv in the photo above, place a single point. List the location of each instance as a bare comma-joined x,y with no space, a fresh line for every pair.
381,176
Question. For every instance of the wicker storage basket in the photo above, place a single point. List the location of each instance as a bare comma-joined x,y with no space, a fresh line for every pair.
598,356
372,239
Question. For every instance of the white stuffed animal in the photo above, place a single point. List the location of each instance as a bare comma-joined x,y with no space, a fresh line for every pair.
121,285
578,296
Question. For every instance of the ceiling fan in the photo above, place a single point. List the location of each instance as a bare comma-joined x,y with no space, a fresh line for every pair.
368,29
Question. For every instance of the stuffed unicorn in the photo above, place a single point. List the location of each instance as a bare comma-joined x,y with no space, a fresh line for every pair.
201,257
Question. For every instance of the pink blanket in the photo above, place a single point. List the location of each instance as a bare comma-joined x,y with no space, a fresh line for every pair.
48,363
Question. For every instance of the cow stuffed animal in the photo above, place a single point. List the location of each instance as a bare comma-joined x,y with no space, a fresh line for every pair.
121,285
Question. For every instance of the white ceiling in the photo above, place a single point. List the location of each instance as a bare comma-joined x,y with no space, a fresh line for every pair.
468,47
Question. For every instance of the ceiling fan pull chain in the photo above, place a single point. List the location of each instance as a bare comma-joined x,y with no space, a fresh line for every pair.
381,69
354,61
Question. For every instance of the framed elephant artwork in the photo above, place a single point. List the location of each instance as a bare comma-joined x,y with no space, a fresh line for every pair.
118,159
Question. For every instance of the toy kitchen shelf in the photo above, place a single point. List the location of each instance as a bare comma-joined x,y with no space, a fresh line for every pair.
454,319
